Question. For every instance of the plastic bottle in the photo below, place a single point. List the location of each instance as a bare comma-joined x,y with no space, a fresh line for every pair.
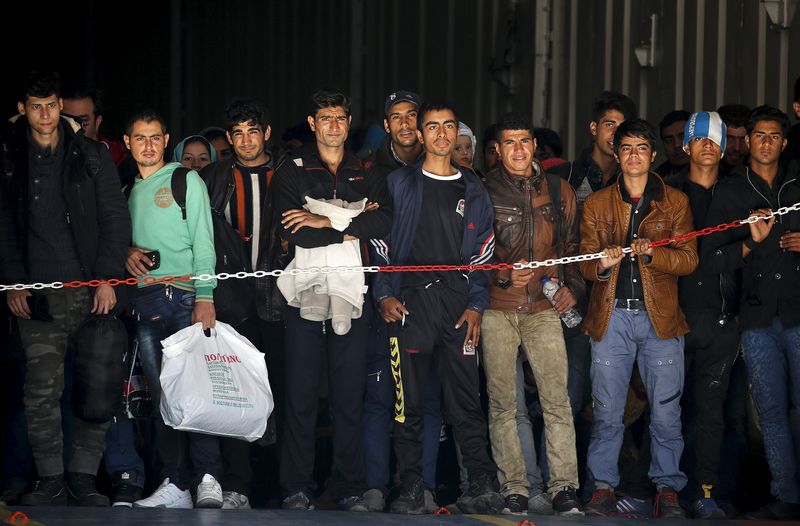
572,317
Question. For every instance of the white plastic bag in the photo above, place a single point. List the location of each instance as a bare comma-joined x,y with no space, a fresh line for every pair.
216,385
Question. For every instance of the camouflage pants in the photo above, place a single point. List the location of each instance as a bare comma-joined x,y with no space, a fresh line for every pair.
542,340
46,344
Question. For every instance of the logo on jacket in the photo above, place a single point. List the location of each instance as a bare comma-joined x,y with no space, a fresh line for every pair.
356,178
163,198
460,207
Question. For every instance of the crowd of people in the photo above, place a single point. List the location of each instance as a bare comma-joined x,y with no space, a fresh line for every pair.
608,386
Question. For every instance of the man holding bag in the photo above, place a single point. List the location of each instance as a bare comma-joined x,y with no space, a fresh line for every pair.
172,236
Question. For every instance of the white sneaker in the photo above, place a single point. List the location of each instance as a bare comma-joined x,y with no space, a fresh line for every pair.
234,501
209,493
167,496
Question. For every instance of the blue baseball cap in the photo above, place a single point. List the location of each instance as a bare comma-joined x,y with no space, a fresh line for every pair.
401,96
705,125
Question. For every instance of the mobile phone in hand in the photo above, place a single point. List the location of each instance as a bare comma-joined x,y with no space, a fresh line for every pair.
155,259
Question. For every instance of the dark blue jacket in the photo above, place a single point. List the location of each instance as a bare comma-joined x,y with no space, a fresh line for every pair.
477,247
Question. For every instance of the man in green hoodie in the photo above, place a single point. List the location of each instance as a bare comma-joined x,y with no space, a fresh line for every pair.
184,243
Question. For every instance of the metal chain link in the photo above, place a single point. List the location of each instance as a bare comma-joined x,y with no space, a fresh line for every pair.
394,268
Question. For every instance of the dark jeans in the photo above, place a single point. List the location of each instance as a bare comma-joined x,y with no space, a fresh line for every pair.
709,350
309,345
237,472
772,356
379,408
160,312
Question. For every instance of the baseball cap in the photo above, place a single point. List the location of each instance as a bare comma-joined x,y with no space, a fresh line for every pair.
401,96
705,124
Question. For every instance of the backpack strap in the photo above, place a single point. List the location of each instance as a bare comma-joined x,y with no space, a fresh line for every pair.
178,184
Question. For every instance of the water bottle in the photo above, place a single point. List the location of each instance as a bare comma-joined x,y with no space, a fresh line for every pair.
572,317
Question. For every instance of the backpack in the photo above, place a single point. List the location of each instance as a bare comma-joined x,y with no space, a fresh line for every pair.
178,188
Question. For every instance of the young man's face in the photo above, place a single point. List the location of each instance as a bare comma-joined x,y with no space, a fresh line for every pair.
635,155
401,124
604,129
703,152
491,155
766,142
672,137
439,132
736,149
516,149
331,126
42,113
147,143
83,111
248,140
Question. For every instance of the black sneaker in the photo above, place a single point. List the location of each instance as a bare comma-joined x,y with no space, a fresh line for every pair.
49,491
566,503
411,500
83,492
603,504
482,496
124,491
297,501
516,504
353,503
776,511
666,505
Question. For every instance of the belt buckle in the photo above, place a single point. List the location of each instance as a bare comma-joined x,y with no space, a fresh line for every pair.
628,303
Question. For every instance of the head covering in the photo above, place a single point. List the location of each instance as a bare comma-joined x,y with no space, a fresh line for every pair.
463,129
705,124
401,96
178,152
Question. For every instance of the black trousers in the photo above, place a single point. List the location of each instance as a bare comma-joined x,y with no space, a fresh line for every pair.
309,346
710,350
427,343
267,336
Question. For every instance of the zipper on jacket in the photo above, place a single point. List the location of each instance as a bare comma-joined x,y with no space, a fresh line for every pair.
68,221
780,218
377,375
529,209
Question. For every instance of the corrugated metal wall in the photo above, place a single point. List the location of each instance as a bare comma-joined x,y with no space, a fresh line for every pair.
546,57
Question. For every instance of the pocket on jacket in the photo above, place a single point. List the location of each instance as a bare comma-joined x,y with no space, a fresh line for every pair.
507,224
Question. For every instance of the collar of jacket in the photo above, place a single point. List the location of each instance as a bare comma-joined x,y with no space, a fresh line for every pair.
744,171
654,190
522,182
312,160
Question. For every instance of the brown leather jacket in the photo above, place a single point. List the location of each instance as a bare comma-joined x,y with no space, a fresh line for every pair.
605,223
525,227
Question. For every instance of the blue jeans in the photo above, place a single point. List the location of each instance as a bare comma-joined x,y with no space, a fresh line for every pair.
630,337
160,312
772,356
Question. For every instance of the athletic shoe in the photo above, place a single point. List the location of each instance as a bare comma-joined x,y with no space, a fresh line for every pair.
707,509
124,491
603,503
168,495
667,505
298,501
633,508
234,501
49,491
354,503
566,503
209,493
375,499
482,496
411,500
541,504
515,504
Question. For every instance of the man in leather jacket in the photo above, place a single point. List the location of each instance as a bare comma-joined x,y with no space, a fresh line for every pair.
633,315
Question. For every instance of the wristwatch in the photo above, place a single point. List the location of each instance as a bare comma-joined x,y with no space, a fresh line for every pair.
503,283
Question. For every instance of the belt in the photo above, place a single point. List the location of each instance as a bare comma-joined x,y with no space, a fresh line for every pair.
629,304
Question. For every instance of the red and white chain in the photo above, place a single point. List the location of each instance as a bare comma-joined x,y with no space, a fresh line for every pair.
394,268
